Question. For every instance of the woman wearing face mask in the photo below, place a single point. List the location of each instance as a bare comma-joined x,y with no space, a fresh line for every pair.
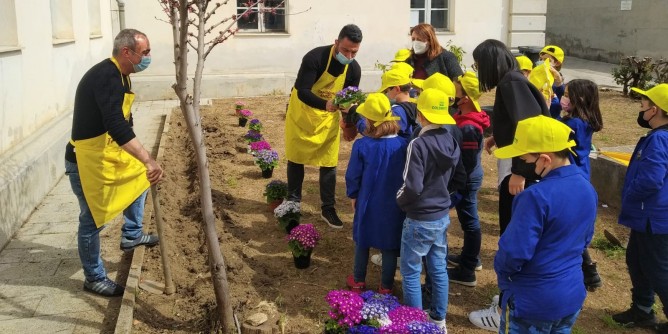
428,57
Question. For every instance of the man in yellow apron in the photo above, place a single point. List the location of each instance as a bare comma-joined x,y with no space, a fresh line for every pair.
312,120
109,169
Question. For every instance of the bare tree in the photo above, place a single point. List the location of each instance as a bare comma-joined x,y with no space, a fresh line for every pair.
191,27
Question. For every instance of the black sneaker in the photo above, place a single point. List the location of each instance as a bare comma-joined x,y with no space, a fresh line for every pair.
592,280
332,219
105,287
454,260
149,240
635,317
462,276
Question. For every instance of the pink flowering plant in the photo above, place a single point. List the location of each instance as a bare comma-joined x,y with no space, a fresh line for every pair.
239,105
266,159
244,113
258,146
302,239
349,96
255,125
374,313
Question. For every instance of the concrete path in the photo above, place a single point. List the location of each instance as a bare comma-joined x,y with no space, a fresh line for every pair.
41,278
600,73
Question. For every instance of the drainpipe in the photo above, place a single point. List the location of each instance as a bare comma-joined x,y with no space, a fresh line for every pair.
121,13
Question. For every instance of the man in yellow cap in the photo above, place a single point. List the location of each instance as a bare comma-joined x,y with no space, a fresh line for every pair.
644,210
556,56
542,239
424,196
471,122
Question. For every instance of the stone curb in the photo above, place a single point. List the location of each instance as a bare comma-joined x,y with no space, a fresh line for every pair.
125,318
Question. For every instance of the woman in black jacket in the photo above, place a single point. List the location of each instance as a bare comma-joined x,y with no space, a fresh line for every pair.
516,99
428,57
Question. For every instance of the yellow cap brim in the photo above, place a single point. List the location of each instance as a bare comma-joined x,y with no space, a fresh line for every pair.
440,119
477,105
508,152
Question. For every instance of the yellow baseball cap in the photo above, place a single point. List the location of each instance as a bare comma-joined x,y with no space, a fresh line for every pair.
539,134
418,83
404,67
657,94
433,104
471,86
442,83
393,78
401,55
377,108
554,51
525,63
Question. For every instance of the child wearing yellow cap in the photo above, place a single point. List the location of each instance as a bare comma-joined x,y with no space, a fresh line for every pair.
526,65
431,160
373,176
542,240
644,210
556,56
471,122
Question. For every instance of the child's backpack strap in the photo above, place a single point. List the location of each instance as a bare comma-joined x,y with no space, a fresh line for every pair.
411,112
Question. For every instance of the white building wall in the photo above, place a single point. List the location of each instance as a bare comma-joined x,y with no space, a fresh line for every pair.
38,78
257,64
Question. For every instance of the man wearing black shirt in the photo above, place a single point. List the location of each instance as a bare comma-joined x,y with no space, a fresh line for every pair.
109,169
311,126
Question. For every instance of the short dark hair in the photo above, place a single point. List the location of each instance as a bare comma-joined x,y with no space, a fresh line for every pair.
126,38
352,32
494,61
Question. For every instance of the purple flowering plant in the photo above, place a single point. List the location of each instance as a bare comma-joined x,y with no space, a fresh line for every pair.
258,146
302,239
266,159
275,190
252,136
255,124
244,113
377,314
348,96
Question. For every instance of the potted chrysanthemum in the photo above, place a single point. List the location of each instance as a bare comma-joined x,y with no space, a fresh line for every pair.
301,241
244,114
267,160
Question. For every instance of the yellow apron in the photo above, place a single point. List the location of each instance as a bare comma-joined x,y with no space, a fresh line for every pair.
312,135
110,177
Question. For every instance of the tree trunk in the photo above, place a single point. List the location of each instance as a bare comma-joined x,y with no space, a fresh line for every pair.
191,114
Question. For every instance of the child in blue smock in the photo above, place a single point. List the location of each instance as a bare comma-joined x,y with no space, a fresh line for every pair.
538,264
373,177
582,114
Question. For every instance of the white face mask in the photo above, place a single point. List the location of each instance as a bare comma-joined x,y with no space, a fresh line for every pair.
419,47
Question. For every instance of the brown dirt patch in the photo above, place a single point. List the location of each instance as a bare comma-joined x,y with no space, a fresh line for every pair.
259,266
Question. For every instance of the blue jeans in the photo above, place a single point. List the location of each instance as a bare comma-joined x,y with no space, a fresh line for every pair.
429,239
388,268
647,260
467,211
89,234
513,325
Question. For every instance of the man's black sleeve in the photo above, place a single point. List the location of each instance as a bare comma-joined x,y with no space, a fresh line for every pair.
310,70
109,97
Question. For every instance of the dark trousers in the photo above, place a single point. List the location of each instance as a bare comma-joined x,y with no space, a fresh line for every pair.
467,212
647,260
506,202
327,184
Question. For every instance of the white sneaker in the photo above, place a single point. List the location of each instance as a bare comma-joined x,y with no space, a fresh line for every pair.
488,318
377,259
440,324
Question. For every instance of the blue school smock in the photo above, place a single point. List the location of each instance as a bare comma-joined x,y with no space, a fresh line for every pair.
583,134
539,261
373,177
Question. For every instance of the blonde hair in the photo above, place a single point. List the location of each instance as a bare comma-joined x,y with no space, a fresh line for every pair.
426,31
384,129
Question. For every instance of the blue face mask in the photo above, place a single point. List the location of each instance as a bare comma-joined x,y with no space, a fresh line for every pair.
143,64
342,59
